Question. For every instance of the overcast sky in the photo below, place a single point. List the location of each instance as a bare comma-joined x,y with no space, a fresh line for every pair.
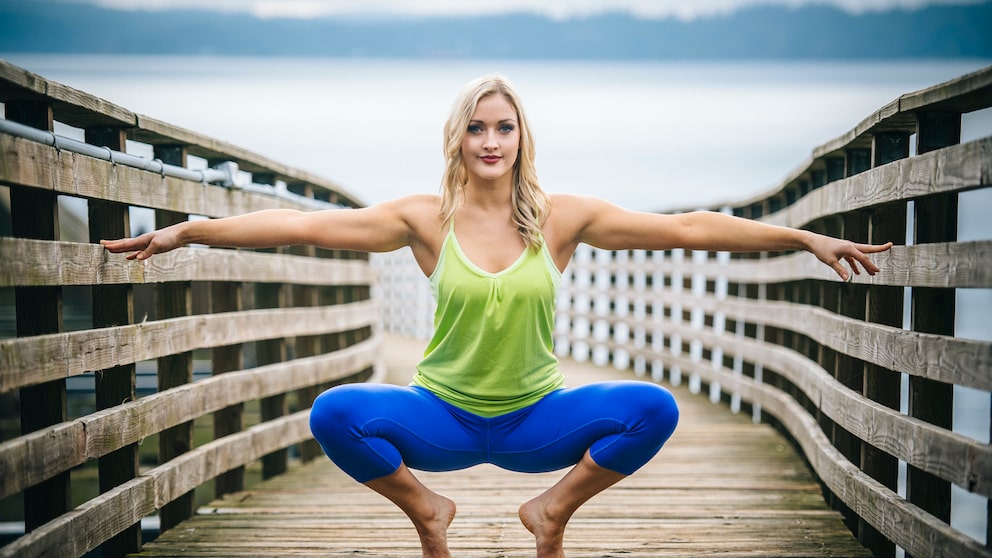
685,9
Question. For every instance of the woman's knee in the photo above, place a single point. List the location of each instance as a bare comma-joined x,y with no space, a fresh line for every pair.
654,407
338,410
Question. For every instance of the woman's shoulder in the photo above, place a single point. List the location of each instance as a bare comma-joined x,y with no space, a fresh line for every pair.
565,206
415,205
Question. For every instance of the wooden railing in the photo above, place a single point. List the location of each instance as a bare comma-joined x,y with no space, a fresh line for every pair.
824,359
269,328
779,336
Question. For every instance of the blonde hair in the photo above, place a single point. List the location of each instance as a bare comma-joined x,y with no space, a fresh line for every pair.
530,202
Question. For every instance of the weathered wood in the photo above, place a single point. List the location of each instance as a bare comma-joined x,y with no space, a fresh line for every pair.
113,305
79,109
37,311
29,459
882,384
68,263
946,359
908,526
228,297
267,352
959,168
942,265
77,532
933,310
946,454
685,502
47,357
174,300
35,165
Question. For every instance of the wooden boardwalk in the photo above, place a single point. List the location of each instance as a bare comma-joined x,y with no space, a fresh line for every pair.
721,486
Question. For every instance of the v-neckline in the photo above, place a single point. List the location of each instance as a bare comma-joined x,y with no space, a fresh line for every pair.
475,267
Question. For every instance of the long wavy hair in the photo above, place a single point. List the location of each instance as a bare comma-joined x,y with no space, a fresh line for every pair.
530,203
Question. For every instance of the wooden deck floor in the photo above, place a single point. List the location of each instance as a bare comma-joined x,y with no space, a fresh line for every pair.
721,486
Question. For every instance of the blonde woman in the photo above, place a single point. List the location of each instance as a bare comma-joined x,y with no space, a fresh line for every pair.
488,389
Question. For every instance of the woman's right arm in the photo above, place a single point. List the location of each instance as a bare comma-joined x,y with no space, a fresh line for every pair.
379,228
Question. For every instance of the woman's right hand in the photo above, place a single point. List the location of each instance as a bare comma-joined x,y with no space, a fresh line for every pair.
146,245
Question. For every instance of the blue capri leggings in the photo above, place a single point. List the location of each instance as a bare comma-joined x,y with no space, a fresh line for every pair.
369,430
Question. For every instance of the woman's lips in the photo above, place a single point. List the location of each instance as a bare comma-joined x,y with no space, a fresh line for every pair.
490,159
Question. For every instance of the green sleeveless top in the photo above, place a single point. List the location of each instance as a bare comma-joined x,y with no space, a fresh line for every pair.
492,348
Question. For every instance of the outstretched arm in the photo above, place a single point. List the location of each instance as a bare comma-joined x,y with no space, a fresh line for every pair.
604,225
379,228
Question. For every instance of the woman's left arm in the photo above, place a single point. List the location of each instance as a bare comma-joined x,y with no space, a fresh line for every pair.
605,225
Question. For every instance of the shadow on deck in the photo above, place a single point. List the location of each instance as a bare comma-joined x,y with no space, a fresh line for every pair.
721,486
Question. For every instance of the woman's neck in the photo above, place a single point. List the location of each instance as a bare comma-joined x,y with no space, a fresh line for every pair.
488,195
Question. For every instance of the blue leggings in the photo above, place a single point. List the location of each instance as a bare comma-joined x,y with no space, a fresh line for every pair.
369,430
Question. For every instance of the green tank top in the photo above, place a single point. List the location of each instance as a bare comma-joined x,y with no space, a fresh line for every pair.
492,348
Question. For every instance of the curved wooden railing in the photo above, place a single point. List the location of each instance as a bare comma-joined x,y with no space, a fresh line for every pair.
269,328
778,335
820,358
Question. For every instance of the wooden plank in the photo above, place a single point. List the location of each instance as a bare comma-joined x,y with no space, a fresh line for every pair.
941,265
30,360
682,503
34,165
946,454
29,459
953,169
69,105
953,360
905,524
68,263
81,530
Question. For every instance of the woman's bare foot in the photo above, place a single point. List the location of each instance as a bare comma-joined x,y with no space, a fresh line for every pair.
430,512
549,533
433,528
546,515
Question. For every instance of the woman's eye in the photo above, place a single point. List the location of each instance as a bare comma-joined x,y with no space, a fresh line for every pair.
474,129
506,128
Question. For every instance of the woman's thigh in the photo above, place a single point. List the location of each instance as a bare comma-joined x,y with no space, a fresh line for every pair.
370,429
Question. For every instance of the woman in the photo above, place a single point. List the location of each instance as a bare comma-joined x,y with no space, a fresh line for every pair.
488,389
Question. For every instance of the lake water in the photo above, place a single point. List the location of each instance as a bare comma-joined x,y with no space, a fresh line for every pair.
645,135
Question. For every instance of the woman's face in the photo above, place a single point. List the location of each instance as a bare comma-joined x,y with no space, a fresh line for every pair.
492,139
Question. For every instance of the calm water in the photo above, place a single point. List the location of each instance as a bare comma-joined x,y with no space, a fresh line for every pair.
644,135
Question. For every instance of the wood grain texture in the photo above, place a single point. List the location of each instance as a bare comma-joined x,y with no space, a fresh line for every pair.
953,169
29,459
30,360
953,360
938,265
40,262
946,454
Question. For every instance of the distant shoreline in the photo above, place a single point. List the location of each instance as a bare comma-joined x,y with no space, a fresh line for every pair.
816,32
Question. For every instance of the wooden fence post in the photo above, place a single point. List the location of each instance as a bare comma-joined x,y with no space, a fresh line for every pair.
306,346
113,305
173,300
883,305
34,214
271,351
228,297
936,220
